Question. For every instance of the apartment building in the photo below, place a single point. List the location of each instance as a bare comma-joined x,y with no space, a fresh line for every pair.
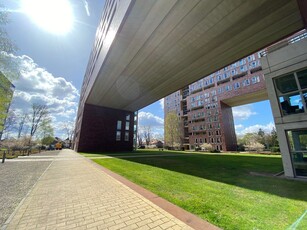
205,106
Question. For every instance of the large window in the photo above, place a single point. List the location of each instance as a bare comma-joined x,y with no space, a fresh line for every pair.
298,148
118,132
119,125
291,91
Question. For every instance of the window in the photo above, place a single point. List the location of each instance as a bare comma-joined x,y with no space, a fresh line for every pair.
255,79
286,84
236,85
228,88
302,78
253,64
242,61
246,82
298,145
126,136
119,125
251,58
243,68
220,90
290,92
128,118
118,134
127,127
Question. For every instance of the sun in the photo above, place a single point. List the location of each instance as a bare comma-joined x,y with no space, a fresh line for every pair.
54,16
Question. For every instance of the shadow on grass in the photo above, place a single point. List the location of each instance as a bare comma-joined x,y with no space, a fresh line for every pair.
230,169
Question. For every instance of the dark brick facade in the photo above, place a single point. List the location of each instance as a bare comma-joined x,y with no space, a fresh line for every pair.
99,127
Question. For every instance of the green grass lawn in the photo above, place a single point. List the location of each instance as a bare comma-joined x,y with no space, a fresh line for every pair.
218,187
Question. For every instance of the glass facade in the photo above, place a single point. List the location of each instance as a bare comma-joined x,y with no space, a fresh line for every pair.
291,91
298,149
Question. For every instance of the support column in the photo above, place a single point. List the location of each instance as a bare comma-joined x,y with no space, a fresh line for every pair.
228,131
105,129
285,151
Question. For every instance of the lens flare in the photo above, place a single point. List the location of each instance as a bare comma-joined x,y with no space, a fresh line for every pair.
54,16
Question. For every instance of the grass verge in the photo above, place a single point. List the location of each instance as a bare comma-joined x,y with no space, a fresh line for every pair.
220,188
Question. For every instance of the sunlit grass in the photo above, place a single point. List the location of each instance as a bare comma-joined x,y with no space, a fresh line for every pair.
219,187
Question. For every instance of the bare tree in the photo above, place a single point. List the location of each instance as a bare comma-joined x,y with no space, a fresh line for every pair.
69,128
23,119
39,113
140,138
147,134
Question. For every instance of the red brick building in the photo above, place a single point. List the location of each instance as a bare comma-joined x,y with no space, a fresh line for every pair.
205,106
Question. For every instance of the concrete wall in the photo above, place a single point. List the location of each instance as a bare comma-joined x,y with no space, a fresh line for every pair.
289,59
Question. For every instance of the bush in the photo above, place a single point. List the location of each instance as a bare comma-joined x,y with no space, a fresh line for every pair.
215,151
142,147
240,148
206,147
275,149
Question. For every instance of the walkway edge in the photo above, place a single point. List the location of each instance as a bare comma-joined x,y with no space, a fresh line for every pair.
181,214
7,222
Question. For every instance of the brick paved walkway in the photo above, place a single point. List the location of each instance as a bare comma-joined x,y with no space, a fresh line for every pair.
75,194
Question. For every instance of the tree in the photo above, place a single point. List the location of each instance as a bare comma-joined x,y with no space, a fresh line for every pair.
256,146
39,113
140,138
47,140
7,68
273,138
6,43
45,127
261,136
69,128
23,119
146,133
172,129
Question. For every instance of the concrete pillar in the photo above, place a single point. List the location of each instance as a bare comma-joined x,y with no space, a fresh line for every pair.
99,127
285,151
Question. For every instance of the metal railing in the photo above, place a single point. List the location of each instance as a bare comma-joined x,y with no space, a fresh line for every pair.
285,42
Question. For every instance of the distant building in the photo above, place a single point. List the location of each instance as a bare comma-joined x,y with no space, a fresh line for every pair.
205,106
6,95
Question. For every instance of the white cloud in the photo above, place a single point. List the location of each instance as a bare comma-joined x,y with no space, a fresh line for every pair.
242,112
241,130
161,101
156,123
240,126
86,7
149,119
37,85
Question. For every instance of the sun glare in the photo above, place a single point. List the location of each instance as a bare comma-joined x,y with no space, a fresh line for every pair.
54,16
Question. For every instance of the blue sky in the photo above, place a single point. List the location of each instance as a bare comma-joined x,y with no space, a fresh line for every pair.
54,67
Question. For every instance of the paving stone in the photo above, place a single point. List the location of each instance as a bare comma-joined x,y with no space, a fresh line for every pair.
75,194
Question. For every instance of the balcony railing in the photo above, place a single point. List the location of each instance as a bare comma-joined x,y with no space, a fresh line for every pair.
285,42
